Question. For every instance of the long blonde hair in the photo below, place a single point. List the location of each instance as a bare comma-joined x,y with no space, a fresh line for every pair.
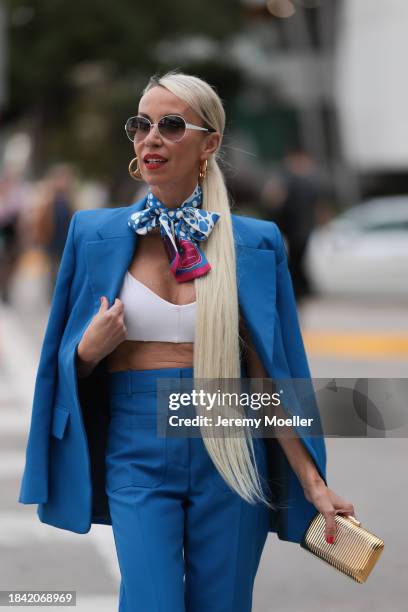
217,348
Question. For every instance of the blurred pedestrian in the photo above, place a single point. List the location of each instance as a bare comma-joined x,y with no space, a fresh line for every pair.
13,197
54,215
291,201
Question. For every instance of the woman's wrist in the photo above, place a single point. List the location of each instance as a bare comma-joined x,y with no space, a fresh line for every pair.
301,461
310,479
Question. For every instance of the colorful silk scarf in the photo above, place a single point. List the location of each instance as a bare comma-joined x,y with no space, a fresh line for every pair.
181,229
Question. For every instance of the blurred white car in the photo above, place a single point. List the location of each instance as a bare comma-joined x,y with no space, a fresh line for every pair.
362,251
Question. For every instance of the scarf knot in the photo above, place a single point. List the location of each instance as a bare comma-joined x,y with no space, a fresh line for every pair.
182,229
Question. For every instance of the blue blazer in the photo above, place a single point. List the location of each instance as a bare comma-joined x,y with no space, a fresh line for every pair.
65,457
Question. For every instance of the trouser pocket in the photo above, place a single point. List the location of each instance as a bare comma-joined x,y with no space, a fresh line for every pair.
136,455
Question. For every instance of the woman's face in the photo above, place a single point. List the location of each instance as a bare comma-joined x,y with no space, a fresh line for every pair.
183,157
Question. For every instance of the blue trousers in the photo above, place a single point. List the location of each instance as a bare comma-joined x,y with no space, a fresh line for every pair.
185,541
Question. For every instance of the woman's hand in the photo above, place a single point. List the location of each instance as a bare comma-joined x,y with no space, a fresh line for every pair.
329,504
104,333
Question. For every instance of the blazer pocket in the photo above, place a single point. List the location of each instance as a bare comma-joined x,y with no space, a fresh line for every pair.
59,421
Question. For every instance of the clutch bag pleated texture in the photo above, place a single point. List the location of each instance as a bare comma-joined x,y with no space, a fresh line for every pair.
355,550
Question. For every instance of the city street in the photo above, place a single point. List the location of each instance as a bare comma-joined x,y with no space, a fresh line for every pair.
284,112
371,473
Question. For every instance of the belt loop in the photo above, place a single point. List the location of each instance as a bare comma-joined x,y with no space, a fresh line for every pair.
129,382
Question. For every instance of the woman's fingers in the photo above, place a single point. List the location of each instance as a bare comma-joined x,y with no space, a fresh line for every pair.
117,307
331,527
346,509
340,506
328,503
104,304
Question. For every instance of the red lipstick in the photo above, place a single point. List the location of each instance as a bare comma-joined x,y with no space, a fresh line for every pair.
154,161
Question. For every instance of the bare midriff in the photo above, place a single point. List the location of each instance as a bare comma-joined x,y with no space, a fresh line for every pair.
141,355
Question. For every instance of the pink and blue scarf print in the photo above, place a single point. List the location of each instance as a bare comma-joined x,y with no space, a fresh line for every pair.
182,229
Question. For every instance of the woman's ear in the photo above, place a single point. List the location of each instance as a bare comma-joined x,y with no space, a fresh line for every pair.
211,144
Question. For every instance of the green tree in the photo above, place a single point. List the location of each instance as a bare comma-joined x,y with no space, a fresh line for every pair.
76,70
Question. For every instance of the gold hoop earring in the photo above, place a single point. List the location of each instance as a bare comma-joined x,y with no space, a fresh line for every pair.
203,170
135,172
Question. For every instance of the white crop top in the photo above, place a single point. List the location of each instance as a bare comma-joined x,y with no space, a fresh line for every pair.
150,317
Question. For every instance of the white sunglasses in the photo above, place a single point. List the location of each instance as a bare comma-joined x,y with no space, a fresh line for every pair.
170,127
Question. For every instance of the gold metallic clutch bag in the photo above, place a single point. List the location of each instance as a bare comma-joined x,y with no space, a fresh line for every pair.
355,550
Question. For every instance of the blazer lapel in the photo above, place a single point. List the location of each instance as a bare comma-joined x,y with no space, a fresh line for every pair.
108,259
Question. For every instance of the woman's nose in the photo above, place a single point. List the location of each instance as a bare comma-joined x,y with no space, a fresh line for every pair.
153,135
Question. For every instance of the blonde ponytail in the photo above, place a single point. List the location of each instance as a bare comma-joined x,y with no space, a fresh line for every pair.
217,350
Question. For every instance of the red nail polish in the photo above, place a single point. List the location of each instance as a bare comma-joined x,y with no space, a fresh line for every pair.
330,539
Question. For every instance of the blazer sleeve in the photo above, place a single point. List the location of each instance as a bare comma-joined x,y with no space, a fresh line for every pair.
291,369
287,313
291,359
34,484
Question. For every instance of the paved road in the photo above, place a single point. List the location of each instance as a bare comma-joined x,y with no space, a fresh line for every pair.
370,473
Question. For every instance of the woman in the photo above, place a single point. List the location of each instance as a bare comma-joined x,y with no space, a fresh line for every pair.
190,515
